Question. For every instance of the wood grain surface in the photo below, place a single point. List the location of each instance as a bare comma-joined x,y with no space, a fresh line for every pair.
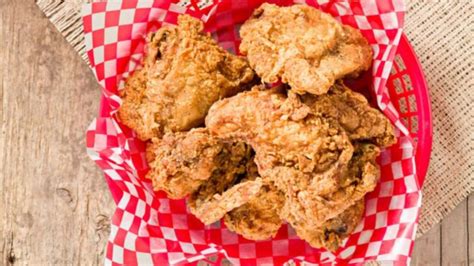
55,206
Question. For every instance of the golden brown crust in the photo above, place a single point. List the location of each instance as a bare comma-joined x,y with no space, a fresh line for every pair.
303,46
304,209
332,232
354,114
225,191
306,155
183,161
133,106
288,140
185,72
258,219
212,209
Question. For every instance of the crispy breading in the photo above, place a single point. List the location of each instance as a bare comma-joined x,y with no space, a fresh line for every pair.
288,140
185,71
258,219
212,209
354,114
132,108
183,161
303,46
225,191
304,209
331,234
308,157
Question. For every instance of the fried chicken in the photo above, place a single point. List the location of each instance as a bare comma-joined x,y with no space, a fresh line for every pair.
303,153
133,108
331,234
225,191
293,147
183,161
354,114
303,46
305,210
185,71
258,219
308,157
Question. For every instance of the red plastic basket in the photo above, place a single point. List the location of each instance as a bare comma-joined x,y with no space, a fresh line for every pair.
409,93
115,149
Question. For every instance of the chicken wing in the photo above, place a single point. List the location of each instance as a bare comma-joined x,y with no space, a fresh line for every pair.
185,71
303,46
183,161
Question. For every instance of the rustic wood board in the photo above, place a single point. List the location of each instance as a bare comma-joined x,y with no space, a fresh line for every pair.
54,204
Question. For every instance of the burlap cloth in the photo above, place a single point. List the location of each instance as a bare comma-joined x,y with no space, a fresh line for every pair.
441,33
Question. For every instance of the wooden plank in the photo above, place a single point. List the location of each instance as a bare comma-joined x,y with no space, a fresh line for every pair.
66,17
55,206
470,225
427,250
454,239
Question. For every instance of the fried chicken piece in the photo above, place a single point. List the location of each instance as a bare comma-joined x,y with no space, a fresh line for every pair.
183,161
132,108
354,114
304,209
303,46
293,147
307,156
185,71
212,207
258,219
331,234
224,192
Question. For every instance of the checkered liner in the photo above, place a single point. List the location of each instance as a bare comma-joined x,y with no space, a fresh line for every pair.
149,228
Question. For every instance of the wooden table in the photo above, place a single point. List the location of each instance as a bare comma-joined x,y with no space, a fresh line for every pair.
55,206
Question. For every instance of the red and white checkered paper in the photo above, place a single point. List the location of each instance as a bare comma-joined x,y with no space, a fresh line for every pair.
149,228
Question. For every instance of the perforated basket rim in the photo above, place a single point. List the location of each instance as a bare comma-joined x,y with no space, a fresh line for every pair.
423,107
